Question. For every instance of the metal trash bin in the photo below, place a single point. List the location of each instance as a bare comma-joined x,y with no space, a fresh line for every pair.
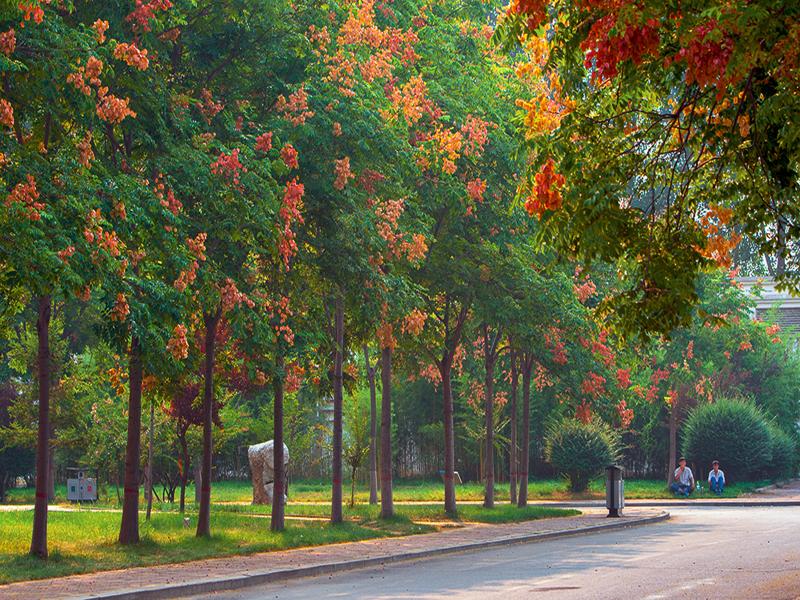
80,488
615,491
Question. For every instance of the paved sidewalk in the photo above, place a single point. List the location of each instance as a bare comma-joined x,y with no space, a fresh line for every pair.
205,576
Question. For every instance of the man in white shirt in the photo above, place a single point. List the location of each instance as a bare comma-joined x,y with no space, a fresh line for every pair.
682,479
716,479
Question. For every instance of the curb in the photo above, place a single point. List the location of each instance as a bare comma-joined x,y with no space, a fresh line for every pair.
681,503
207,586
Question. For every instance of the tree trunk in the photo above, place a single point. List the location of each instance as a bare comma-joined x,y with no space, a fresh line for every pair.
373,430
488,494
525,449
149,471
387,501
204,514
39,537
184,471
338,358
51,469
352,487
512,453
197,467
449,437
673,440
277,521
129,528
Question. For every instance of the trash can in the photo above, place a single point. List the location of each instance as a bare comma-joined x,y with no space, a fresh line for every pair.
615,491
80,488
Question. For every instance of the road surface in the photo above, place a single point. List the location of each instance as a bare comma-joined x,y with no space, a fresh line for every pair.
729,553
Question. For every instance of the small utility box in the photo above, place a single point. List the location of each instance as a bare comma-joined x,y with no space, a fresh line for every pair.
615,491
80,487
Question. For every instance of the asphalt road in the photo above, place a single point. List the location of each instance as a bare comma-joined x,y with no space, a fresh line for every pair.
729,553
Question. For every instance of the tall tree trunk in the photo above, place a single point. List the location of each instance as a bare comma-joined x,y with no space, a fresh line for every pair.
387,501
488,494
512,454
39,537
149,471
525,447
197,468
373,430
129,528
184,471
51,469
673,440
204,515
338,381
277,522
449,436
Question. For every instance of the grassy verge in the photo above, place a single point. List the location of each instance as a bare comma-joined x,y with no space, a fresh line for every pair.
467,513
643,489
305,491
82,542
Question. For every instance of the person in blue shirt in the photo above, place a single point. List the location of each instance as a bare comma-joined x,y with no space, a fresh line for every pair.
716,479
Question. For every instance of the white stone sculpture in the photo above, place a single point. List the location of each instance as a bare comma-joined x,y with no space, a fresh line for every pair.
262,469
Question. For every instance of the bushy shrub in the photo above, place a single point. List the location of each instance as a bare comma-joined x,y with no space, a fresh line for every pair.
784,453
580,451
733,431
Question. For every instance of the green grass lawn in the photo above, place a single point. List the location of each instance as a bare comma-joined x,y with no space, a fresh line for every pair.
433,491
85,541
82,542
649,489
305,491
467,513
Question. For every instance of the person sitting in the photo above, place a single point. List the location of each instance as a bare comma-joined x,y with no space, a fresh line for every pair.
716,479
682,479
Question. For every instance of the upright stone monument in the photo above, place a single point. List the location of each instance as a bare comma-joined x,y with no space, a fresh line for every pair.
262,469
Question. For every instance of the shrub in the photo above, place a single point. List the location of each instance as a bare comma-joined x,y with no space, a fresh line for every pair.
784,453
581,451
733,431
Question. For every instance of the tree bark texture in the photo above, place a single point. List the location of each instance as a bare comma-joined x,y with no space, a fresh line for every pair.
449,438
525,447
387,501
129,528
491,342
277,521
673,440
338,382
373,429
512,452
39,536
204,514
149,471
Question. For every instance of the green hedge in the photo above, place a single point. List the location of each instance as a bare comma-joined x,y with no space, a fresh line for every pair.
737,433
784,453
581,451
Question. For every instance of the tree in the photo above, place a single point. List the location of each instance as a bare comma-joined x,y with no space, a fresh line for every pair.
48,108
723,353
219,163
371,370
356,448
348,152
660,134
